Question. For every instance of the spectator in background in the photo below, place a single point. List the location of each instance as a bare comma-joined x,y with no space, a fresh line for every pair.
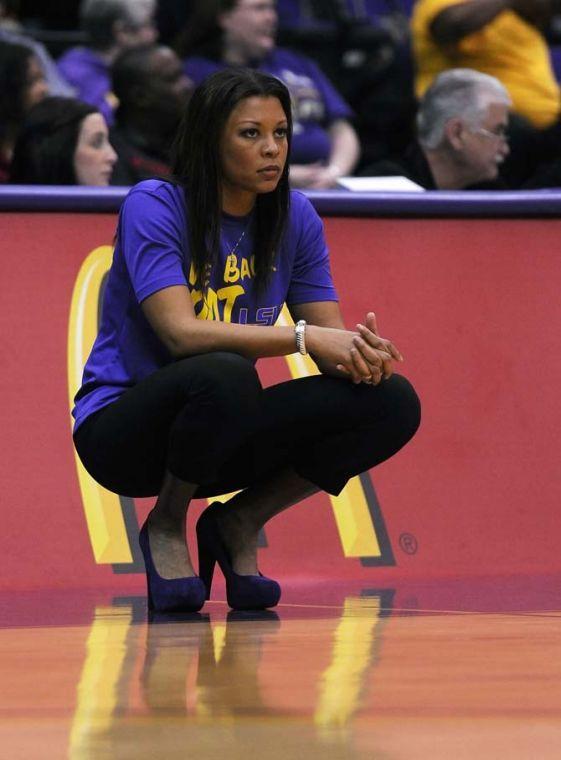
9,10
502,38
112,26
171,17
462,135
152,91
22,84
242,33
364,48
63,142
12,31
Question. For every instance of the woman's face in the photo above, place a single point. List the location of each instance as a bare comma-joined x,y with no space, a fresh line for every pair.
254,146
94,156
250,29
36,85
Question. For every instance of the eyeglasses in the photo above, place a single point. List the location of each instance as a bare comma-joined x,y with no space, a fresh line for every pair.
499,134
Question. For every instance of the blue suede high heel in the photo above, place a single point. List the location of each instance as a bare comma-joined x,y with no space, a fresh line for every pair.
243,592
169,595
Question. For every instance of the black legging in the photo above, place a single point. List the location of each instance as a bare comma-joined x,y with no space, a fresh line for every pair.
207,419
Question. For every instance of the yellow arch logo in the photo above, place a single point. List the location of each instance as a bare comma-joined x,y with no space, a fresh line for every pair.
356,510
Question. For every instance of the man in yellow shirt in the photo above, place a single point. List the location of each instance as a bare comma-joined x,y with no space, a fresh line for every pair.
498,37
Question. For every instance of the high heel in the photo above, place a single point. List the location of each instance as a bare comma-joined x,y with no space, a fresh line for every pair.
169,595
243,592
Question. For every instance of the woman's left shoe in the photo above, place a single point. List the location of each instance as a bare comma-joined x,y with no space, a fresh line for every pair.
243,592
169,594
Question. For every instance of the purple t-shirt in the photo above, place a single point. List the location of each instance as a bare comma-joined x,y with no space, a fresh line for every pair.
152,252
91,77
315,102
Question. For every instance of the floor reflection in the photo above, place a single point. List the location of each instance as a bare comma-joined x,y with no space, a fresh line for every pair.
198,674
373,674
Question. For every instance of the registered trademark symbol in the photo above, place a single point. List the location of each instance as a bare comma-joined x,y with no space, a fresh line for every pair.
408,543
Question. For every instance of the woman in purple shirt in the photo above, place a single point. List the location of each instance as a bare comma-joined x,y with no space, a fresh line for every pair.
224,33
171,404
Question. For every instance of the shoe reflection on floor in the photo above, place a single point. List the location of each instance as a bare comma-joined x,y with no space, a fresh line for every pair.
240,678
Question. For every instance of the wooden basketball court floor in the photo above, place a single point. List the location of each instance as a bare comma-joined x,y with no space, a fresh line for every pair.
447,671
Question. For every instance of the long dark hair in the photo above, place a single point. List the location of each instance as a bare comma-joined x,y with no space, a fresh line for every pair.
202,34
196,166
14,75
44,149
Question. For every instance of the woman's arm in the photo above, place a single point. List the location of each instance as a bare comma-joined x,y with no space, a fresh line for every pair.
305,175
171,315
343,157
457,21
345,148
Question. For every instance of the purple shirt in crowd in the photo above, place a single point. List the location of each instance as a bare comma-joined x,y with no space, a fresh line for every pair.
91,77
315,102
152,252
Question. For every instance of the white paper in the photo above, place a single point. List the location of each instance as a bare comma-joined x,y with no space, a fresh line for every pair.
380,184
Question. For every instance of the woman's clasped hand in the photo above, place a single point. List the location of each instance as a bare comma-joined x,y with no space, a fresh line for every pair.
361,355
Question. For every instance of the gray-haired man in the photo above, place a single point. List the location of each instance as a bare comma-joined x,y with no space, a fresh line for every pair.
462,125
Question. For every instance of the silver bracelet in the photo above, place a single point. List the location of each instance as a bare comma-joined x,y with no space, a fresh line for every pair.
300,333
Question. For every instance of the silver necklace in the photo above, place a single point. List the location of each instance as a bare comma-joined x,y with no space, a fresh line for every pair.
239,240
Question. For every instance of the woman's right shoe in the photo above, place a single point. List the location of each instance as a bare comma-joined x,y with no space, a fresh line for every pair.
169,595
243,592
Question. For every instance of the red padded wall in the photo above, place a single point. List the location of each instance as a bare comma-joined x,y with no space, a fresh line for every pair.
473,306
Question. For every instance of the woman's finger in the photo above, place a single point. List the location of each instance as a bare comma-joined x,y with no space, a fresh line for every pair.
388,370
367,373
375,357
371,372
376,342
371,322
373,378
361,367
351,370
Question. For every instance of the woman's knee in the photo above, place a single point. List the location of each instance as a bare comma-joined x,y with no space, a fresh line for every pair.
394,400
405,402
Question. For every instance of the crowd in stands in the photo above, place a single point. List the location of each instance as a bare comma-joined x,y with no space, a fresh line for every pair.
452,94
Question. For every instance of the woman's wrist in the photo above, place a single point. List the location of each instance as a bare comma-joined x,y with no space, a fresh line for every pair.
312,335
